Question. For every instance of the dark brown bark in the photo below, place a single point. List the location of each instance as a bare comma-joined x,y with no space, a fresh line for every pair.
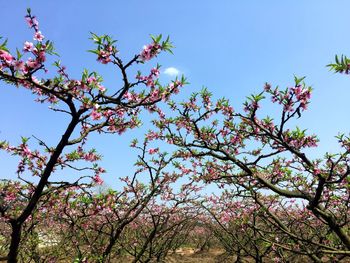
15,240
17,223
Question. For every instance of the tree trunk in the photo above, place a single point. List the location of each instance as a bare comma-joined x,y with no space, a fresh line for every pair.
15,240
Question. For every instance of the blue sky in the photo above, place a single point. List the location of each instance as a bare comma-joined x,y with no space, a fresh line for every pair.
231,47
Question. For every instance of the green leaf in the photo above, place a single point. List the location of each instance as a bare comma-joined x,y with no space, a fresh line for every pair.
93,51
298,80
19,55
3,45
24,139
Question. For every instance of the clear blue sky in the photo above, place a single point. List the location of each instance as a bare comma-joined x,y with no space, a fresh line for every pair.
232,47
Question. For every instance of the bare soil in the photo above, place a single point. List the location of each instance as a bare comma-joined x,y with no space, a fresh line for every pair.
189,255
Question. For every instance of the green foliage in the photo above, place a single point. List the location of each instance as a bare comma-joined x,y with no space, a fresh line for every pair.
3,45
298,133
24,139
341,64
299,81
102,42
256,98
166,45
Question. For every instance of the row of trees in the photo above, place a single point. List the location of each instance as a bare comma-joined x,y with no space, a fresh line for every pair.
278,202
105,227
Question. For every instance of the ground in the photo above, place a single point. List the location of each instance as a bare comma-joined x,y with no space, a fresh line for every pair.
188,255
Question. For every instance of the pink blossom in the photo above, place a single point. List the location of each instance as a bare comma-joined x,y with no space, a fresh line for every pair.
32,64
38,36
52,99
91,157
26,152
120,113
104,57
155,72
303,106
10,197
128,96
155,94
317,171
101,88
227,110
36,80
150,82
61,70
108,113
41,56
152,135
96,115
7,57
235,140
19,65
97,179
174,87
28,46
150,51
32,21
267,87
288,108
153,150
185,170
91,80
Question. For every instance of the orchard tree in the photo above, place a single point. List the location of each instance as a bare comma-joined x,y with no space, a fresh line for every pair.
228,219
88,226
264,155
89,106
260,227
160,229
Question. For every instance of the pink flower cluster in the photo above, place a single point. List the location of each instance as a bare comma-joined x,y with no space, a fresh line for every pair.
6,57
104,55
252,106
91,156
149,80
32,22
150,51
8,61
303,96
95,115
28,46
98,180
38,36
31,64
129,96
306,141
10,197
151,135
153,150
